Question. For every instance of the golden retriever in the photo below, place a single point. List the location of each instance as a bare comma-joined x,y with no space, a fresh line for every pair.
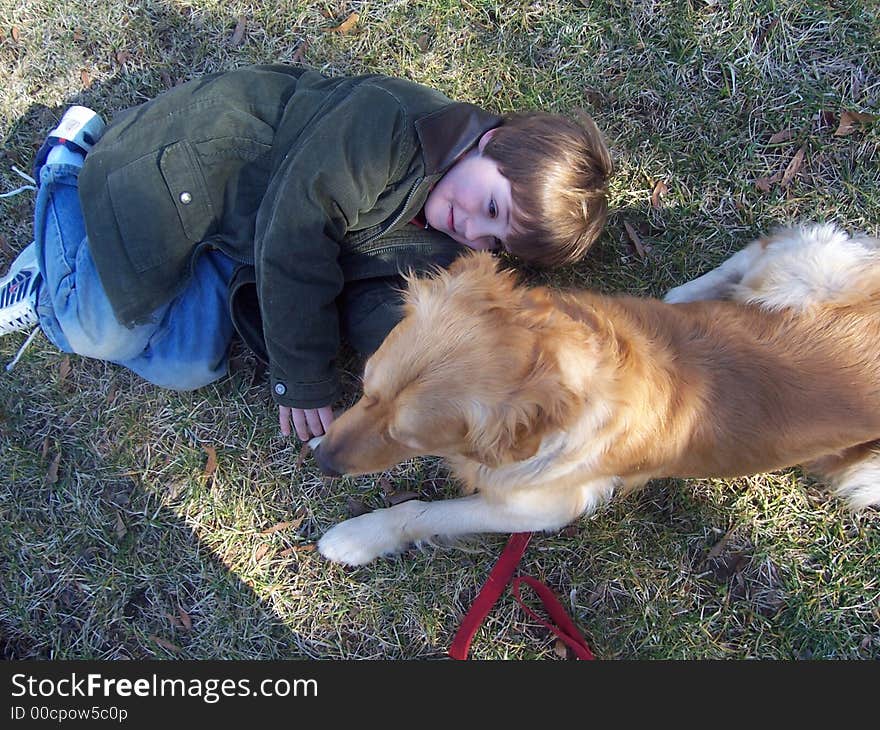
546,403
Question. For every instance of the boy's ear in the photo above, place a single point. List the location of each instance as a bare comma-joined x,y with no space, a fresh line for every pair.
484,140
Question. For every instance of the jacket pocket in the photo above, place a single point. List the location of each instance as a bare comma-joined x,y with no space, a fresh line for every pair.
161,205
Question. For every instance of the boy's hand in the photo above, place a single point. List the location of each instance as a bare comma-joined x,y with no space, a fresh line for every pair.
308,423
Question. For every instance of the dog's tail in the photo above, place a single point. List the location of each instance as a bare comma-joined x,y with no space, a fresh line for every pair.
854,475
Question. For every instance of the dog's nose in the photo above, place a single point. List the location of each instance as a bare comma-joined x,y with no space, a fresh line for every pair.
324,465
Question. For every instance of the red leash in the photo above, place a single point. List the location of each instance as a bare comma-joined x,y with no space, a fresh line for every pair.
491,591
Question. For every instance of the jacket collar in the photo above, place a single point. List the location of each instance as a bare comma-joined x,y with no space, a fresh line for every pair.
448,132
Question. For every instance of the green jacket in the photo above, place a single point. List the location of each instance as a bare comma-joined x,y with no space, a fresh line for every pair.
311,180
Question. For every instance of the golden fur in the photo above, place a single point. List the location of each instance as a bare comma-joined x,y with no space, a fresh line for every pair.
546,403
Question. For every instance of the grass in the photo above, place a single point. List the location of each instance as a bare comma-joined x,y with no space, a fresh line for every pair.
116,543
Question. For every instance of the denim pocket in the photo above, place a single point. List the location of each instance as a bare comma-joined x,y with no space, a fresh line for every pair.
162,206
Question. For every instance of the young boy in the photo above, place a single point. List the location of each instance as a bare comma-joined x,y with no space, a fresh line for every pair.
283,204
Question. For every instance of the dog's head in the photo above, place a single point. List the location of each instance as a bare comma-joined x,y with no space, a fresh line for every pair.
471,371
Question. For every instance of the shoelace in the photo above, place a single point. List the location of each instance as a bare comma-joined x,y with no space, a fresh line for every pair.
23,188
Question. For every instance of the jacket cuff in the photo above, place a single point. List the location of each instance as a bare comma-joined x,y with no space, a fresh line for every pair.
305,395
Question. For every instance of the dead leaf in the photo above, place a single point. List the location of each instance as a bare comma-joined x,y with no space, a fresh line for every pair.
77,36
297,549
398,497
571,531
636,241
211,464
300,52
719,546
167,81
121,529
64,369
175,622
560,649
293,524
85,78
6,248
346,25
793,167
657,194
238,33
44,452
14,33
261,552
165,644
185,619
52,473
849,121
356,508
765,183
123,57
422,42
780,137
301,457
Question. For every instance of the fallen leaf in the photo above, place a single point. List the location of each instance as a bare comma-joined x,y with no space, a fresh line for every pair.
293,524
765,183
52,473
85,78
185,619
300,52
571,531
850,120
657,194
238,33
826,117
719,546
780,137
167,81
793,167
356,508
165,644
560,649
261,552
44,452
398,497
175,622
301,457
121,529
14,33
64,369
6,248
211,464
636,241
297,549
422,42
346,25
123,57
77,36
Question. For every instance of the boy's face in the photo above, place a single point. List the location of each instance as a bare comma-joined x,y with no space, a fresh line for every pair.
472,202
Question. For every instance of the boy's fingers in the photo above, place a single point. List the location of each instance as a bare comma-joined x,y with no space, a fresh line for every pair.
326,415
284,420
300,424
313,418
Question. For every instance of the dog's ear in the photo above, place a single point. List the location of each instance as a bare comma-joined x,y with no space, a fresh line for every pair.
513,430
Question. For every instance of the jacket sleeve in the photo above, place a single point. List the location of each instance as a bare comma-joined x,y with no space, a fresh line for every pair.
337,169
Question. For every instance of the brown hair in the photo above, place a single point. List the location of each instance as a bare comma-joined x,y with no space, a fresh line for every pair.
558,171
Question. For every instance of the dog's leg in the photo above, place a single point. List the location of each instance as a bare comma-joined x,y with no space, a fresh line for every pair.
359,540
718,283
854,475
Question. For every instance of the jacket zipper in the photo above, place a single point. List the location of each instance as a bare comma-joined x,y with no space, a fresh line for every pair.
361,246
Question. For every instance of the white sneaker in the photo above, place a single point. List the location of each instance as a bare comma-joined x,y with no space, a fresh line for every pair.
18,293
79,129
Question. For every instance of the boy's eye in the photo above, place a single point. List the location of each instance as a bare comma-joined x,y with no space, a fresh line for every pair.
493,211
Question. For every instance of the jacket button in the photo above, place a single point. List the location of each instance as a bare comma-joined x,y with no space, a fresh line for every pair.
186,198
280,388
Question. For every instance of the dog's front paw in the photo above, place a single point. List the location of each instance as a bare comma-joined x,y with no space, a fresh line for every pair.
684,293
362,539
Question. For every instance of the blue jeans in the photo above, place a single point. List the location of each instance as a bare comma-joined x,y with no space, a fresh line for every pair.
186,342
